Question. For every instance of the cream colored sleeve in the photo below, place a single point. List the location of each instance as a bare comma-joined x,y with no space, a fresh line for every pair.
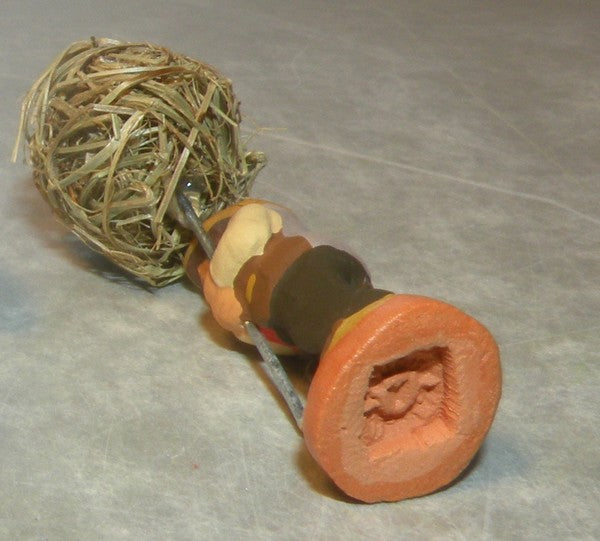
246,235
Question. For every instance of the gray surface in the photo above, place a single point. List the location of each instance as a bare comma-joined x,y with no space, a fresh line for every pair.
453,145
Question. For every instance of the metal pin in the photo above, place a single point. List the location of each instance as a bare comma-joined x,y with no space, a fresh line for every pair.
277,373
272,364
195,225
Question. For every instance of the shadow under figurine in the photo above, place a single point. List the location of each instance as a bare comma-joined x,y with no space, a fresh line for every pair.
406,387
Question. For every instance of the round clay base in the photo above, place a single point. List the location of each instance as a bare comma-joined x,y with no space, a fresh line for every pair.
402,402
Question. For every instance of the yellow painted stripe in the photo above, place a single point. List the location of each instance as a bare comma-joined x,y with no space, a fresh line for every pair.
227,212
347,324
250,287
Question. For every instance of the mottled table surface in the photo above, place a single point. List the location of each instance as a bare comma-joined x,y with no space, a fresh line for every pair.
454,145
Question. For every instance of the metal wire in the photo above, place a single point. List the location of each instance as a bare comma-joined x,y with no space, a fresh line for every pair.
277,373
271,362
195,225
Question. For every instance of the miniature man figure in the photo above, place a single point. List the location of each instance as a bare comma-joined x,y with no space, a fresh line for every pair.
407,386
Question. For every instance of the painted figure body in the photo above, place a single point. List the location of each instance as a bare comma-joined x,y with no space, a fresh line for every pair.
406,387
264,270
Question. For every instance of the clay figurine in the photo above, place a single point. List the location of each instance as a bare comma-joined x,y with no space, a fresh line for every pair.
406,387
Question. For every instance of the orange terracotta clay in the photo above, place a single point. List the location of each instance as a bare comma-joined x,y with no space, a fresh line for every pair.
406,388
402,399
226,309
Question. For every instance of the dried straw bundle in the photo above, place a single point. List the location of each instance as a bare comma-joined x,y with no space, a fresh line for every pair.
114,129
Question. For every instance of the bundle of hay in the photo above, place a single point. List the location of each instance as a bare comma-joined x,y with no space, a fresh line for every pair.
115,129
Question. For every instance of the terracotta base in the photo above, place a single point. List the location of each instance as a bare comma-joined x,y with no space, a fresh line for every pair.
402,401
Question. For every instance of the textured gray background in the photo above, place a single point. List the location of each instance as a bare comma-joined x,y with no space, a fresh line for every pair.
453,145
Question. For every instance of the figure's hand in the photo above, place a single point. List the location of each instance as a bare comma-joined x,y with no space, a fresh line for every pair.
226,309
